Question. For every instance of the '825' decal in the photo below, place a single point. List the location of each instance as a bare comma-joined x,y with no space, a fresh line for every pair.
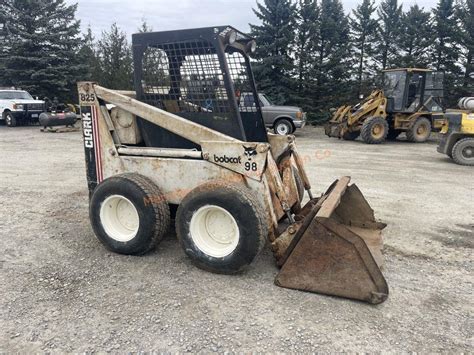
87,97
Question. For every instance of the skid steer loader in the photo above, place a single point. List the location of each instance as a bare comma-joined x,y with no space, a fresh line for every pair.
181,141
410,102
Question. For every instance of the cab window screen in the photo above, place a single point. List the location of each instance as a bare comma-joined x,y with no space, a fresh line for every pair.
394,87
184,77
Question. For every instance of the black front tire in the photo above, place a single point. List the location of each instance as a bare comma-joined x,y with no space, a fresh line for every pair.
150,204
283,127
246,210
374,130
463,152
10,120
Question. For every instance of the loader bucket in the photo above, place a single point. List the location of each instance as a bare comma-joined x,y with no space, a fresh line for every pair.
334,248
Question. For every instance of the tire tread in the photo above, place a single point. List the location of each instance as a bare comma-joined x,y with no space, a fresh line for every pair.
366,129
246,196
456,154
411,134
162,211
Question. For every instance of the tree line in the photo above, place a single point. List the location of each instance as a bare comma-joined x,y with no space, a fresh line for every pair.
43,51
310,52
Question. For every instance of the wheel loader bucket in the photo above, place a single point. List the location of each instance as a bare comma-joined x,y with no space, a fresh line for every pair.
334,248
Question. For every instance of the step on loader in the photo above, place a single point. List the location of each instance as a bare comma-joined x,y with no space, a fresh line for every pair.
180,144
410,102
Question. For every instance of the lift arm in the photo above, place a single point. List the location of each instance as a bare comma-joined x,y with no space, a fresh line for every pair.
187,129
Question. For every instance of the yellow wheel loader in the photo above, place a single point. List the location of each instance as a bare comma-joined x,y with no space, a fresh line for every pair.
457,135
410,102
181,145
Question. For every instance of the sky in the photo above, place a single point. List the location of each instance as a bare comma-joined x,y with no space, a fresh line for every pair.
178,14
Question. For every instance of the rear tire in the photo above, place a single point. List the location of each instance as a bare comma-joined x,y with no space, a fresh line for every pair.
222,228
420,131
129,214
463,152
374,130
10,120
283,127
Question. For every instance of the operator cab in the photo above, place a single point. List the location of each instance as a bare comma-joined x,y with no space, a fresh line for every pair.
410,90
198,74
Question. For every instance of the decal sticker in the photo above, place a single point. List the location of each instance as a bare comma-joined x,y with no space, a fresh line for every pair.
250,152
90,132
87,130
228,160
95,133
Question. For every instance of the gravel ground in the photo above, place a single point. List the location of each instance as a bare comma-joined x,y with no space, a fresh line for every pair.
63,292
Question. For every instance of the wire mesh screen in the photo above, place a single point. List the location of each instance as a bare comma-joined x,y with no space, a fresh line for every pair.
188,77
239,73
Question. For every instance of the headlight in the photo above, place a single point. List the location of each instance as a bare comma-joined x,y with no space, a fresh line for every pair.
252,47
299,114
231,37
17,107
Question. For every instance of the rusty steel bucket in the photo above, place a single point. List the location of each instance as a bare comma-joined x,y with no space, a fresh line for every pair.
334,248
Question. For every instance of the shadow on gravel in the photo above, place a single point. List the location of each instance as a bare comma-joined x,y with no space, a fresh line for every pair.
460,237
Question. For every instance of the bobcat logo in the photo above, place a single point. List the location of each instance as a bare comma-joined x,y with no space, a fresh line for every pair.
250,152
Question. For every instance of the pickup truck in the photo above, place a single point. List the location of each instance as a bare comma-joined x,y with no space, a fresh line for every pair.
282,119
18,107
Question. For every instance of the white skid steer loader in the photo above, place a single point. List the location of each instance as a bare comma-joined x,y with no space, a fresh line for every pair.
182,142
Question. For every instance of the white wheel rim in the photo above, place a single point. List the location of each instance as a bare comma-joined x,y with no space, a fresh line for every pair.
119,217
282,129
214,231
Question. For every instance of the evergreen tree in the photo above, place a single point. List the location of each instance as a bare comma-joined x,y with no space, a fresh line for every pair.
307,23
465,13
3,40
42,40
445,53
415,43
445,50
145,27
389,18
115,59
88,54
332,58
364,29
274,38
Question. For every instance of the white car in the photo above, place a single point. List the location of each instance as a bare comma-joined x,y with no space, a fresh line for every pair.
18,106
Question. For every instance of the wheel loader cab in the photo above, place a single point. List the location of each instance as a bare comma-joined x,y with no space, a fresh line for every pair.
410,90
197,74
